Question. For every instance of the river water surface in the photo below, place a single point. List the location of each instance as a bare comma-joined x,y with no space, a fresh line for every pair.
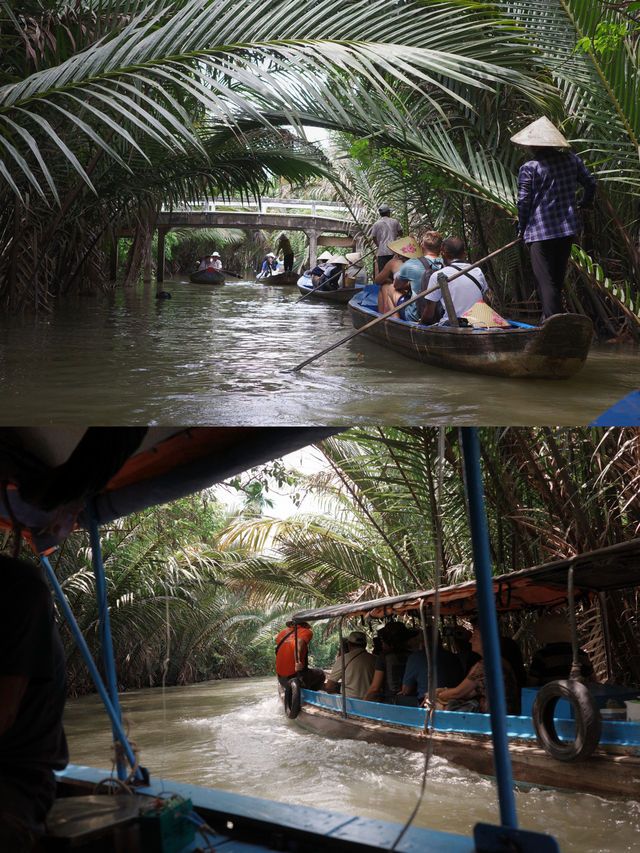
222,355
233,735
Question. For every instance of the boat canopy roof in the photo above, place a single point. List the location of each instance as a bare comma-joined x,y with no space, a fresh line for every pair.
614,567
49,476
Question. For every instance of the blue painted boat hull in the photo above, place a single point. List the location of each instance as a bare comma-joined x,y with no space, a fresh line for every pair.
465,739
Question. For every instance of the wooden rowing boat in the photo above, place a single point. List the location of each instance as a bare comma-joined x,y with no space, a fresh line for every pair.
341,295
283,278
608,766
555,350
207,277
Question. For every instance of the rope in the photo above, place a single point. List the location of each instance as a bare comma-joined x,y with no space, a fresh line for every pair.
430,700
576,669
165,671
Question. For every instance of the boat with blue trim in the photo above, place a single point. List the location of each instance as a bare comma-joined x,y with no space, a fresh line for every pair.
59,479
557,349
568,737
340,295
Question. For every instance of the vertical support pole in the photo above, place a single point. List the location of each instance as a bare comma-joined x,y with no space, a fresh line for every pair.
86,654
488,626
606,632
147,252
443,284
344,679
312,237
105,626
161,249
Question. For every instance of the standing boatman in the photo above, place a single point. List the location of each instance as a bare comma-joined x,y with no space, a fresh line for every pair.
384,231
548,213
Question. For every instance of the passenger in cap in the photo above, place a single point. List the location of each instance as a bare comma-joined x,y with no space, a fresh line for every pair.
359,666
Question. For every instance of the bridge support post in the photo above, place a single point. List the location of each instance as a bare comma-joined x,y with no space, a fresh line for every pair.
312,237
162,233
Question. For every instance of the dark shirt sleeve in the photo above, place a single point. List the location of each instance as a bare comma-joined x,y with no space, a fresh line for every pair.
588,182
525,195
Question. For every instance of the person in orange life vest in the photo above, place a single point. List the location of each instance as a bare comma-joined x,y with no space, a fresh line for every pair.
292,648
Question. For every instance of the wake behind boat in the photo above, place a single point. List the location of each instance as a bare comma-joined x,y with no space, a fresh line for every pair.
555,350
341,294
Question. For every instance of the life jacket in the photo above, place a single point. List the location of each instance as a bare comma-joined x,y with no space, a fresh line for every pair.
285,649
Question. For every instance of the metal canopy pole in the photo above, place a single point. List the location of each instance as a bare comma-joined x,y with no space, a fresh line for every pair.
93,670
488,626
106,641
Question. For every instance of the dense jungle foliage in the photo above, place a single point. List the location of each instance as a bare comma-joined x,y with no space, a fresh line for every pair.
110,109
205,588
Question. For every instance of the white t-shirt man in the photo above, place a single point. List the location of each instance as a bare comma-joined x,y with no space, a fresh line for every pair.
465,290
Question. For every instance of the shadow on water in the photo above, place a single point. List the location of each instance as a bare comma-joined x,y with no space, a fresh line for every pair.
233,735
223,355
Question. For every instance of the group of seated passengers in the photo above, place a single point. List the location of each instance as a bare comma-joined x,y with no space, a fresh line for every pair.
398,674
414,269
211,261
333,272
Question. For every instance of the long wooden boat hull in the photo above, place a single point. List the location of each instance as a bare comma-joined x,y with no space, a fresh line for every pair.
612,773
555,350
280,279
207,277
342,295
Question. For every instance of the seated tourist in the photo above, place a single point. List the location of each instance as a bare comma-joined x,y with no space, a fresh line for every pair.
390,665
421,261
388,295
359,667
216,262
471,694
553,660
465,290
333,276
415,681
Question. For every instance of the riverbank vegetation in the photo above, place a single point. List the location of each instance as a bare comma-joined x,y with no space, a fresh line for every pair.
111,110
198,590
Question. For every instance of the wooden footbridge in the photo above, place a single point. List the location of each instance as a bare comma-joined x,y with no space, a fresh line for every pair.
324,223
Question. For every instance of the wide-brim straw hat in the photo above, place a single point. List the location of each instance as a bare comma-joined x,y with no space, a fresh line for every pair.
553,628
215,254
354,257
325,256
540,134
408,247
339,259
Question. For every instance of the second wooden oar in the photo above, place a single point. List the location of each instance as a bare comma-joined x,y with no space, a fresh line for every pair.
403,305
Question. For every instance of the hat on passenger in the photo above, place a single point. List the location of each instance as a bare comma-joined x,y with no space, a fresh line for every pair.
269,255
357,638
408,247
325,256
215,254
553,628
541,134
354,257
339,259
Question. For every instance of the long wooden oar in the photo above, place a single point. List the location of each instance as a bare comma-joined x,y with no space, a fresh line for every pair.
234,274
401,306
319,286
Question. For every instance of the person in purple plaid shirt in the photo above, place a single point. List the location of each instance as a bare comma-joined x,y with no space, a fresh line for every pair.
548,213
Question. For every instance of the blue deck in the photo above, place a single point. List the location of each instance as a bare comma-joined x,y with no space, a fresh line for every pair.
613,733
278,817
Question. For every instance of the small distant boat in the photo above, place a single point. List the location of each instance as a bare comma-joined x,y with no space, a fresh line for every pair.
285,278
207,276
555,350
341,295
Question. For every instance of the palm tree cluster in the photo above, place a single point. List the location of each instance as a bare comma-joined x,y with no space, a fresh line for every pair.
110,109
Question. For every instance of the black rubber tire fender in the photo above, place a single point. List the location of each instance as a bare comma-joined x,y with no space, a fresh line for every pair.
588,722
292,699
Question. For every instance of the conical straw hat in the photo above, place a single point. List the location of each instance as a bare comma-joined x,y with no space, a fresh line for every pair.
542,134
354,257
325,256
408,247
339,259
